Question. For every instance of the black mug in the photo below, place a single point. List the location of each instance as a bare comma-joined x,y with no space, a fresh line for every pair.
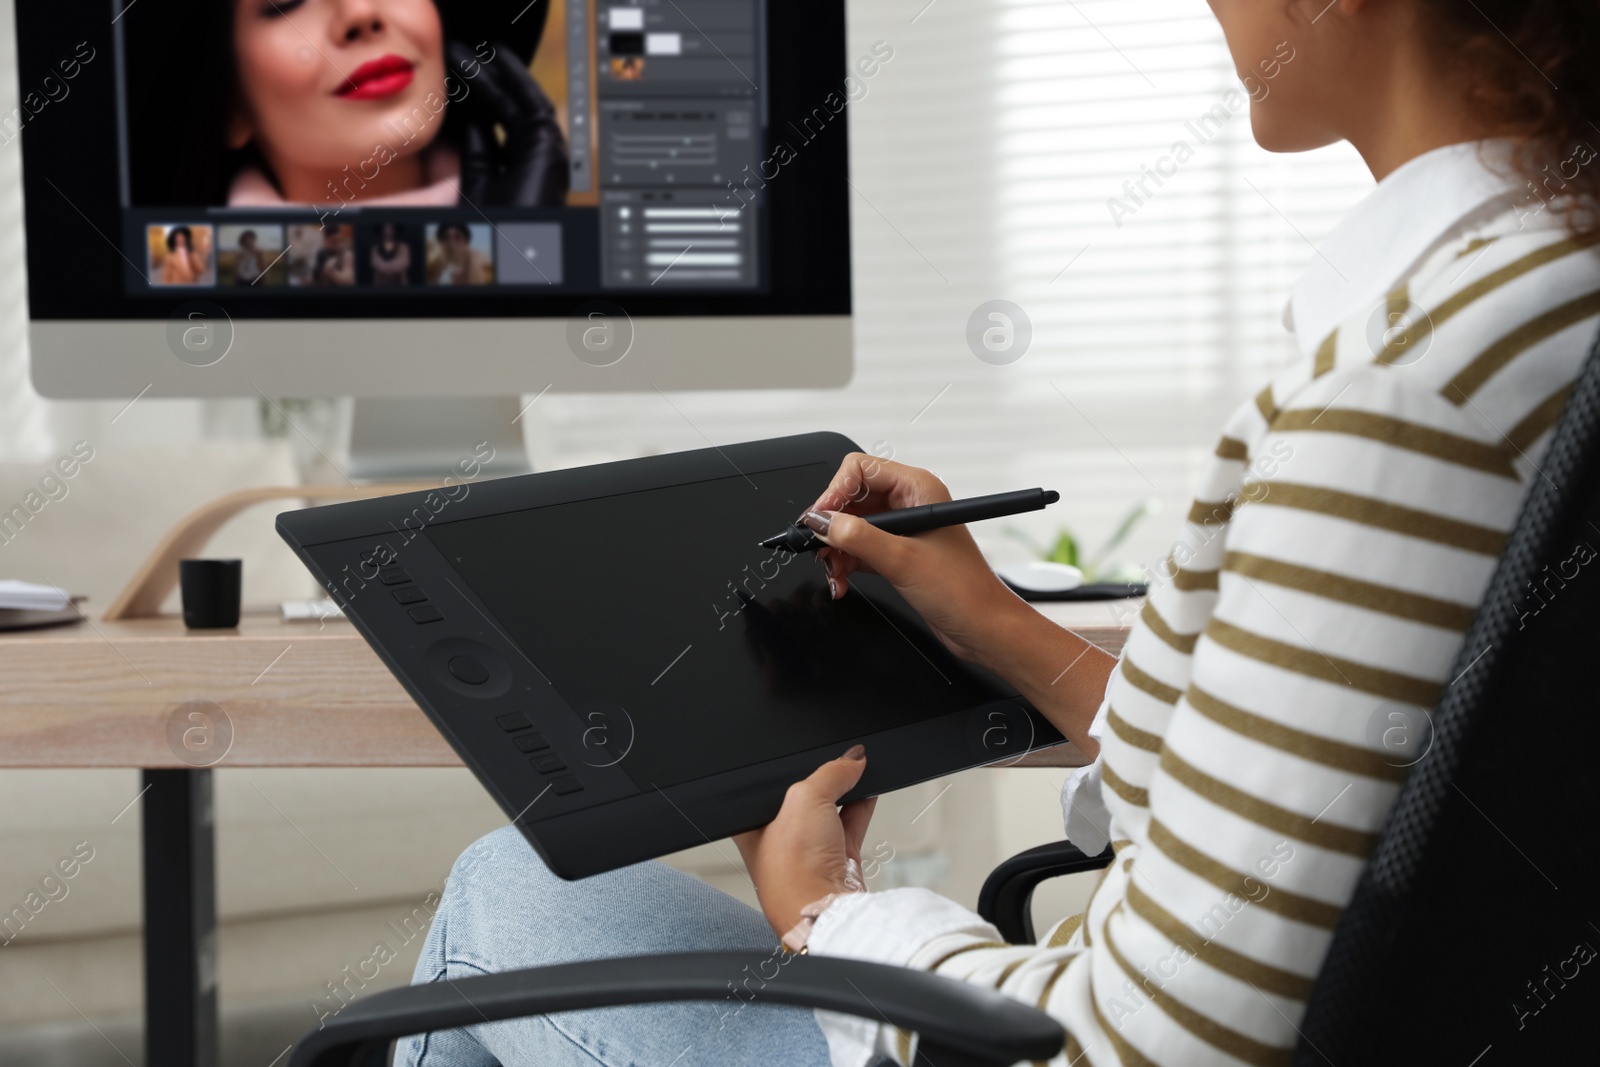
211,592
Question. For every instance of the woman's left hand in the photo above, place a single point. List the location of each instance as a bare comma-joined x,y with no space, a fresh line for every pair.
530,168
800,857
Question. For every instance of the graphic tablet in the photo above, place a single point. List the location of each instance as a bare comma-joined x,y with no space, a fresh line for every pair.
625,670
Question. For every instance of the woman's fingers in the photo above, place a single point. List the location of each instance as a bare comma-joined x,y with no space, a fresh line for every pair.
865,484
854,483
840,565
500,90
856,816
517,81
852,535
835,778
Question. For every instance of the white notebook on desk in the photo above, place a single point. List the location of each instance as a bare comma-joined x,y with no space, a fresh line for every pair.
29,596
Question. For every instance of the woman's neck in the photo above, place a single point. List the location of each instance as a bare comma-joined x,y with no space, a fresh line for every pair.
314,185
1409,106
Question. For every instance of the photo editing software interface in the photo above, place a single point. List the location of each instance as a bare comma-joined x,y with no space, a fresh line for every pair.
592,146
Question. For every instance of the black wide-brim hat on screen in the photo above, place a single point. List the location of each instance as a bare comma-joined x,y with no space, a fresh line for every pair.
516,24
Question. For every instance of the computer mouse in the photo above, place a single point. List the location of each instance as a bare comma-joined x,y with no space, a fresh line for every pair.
1040,576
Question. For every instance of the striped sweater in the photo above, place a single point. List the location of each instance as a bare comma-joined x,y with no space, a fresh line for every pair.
1267,703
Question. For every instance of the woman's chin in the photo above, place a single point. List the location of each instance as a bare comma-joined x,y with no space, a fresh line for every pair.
1282,133
376,142
407,121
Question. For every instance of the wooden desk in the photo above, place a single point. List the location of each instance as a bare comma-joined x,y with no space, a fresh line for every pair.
300,694
120,693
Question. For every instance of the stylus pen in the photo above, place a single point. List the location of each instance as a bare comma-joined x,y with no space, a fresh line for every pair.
906,521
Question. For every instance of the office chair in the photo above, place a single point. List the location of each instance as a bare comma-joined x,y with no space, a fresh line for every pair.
1472,934
1462,939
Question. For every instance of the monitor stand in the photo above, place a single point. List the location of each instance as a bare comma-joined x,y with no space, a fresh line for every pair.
427,439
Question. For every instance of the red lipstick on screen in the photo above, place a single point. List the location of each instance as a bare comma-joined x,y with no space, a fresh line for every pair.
377,78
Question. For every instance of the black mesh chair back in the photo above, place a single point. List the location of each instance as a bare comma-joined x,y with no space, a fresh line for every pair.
1472,938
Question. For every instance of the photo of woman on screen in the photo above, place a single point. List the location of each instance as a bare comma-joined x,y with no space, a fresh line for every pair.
180,255
322,256
251,254
458,254
390,257
248,264
325,103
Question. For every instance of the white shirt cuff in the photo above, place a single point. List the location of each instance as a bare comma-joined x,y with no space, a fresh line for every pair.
888,927
1083,806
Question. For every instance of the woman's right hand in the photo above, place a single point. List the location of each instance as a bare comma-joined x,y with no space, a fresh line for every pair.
530,167
940,573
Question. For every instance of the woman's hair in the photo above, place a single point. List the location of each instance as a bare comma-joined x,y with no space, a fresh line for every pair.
248,233
446,227
178,154
172,238
1534,73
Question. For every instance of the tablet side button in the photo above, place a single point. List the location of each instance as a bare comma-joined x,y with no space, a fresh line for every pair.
565,784
426,613
532,742
514,722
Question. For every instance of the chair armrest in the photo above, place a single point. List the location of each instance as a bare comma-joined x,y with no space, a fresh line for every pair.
1007,894
960,1025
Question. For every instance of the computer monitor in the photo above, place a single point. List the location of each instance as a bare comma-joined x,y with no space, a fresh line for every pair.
434,198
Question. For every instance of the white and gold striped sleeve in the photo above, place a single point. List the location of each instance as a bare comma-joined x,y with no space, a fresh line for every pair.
1245,762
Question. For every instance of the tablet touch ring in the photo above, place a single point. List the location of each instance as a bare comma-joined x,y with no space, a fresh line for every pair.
469,668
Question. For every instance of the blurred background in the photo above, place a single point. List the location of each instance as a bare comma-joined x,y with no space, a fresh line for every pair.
987,153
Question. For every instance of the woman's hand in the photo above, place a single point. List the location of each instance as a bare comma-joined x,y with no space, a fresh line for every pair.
530,167
800,857
945,578
941,573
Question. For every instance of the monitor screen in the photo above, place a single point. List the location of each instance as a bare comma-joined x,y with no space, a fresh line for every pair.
720,653
404,158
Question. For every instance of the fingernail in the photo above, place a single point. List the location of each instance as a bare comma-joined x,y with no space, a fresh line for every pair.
833,589
827,565
819,521
856,752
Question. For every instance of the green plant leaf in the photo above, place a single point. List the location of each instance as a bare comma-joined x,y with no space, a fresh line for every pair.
1065,551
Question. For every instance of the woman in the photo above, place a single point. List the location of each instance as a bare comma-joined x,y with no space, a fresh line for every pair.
183,263
335,263
1343,533
391,258
457,262
329,102
248,264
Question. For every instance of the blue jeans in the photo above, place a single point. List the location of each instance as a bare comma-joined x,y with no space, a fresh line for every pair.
503,910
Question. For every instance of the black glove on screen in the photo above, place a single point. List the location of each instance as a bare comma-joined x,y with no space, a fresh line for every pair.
530,168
